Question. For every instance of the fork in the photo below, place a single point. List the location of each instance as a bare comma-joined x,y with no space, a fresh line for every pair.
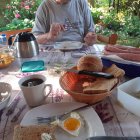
48,120
55,117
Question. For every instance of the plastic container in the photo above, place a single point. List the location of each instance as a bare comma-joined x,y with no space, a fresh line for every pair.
128,94
3,40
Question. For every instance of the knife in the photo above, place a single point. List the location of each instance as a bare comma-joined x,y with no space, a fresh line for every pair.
113,138
91,73
55,117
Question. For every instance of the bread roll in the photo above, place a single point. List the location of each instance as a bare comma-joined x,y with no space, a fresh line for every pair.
90,63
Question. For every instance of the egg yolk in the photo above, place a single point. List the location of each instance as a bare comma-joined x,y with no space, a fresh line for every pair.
71,124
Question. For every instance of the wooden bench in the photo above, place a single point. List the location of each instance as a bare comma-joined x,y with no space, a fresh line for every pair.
112,39
13,32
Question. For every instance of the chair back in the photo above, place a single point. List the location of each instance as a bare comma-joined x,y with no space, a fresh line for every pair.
13,32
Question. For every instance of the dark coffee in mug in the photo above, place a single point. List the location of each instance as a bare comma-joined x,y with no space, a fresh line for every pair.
32,82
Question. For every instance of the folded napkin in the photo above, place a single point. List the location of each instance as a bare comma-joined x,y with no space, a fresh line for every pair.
113,138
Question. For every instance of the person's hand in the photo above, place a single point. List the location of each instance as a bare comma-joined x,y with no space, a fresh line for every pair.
90,38
55,30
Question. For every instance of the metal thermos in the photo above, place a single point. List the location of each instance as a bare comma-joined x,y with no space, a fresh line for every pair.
24,45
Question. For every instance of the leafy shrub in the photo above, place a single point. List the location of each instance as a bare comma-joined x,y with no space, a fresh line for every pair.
97,14
20,14
132,26
126,26
134,7
18,24
21,9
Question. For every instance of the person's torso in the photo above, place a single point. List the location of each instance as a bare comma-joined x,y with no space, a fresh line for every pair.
71,16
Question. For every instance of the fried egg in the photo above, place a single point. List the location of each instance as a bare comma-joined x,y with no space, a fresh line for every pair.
72,124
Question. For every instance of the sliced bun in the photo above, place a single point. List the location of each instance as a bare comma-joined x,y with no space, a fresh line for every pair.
101,85
90,63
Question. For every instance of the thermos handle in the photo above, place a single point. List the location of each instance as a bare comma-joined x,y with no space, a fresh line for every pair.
10,40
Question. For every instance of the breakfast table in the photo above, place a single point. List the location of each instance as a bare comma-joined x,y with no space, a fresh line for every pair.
117,121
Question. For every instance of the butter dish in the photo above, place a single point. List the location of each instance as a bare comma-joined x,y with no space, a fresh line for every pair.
32,66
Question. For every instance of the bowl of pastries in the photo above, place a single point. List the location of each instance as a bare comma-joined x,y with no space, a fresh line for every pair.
90,89
6,58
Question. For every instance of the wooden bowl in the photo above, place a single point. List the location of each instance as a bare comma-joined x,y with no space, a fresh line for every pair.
73,84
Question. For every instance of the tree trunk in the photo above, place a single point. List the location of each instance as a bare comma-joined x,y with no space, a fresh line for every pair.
114,4
91,2
118,4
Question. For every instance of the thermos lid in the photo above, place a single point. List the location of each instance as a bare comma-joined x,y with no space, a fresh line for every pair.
25,37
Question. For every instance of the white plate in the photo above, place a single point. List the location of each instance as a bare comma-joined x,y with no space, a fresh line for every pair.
93,125
68,45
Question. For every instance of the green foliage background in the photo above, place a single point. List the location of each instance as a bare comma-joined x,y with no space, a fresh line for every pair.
122,18
24,8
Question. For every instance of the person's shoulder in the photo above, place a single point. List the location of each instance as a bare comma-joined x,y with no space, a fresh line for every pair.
46,1
82,2
45,4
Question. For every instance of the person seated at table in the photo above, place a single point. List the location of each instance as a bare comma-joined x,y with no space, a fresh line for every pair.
64,20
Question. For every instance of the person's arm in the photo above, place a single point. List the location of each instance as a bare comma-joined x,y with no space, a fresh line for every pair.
90,36
41,26
42,19
44,32
89,24
43,38
55,30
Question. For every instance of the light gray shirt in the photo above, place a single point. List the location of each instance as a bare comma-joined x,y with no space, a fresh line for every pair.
75,16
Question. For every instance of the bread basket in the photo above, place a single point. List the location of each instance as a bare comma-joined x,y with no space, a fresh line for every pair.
73,84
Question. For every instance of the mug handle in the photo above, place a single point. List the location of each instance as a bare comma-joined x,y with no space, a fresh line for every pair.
50,89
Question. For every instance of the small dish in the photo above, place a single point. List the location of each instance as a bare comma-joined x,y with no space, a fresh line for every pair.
68,45
128,94
5,94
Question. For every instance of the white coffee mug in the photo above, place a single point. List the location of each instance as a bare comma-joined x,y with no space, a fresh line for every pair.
33,89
